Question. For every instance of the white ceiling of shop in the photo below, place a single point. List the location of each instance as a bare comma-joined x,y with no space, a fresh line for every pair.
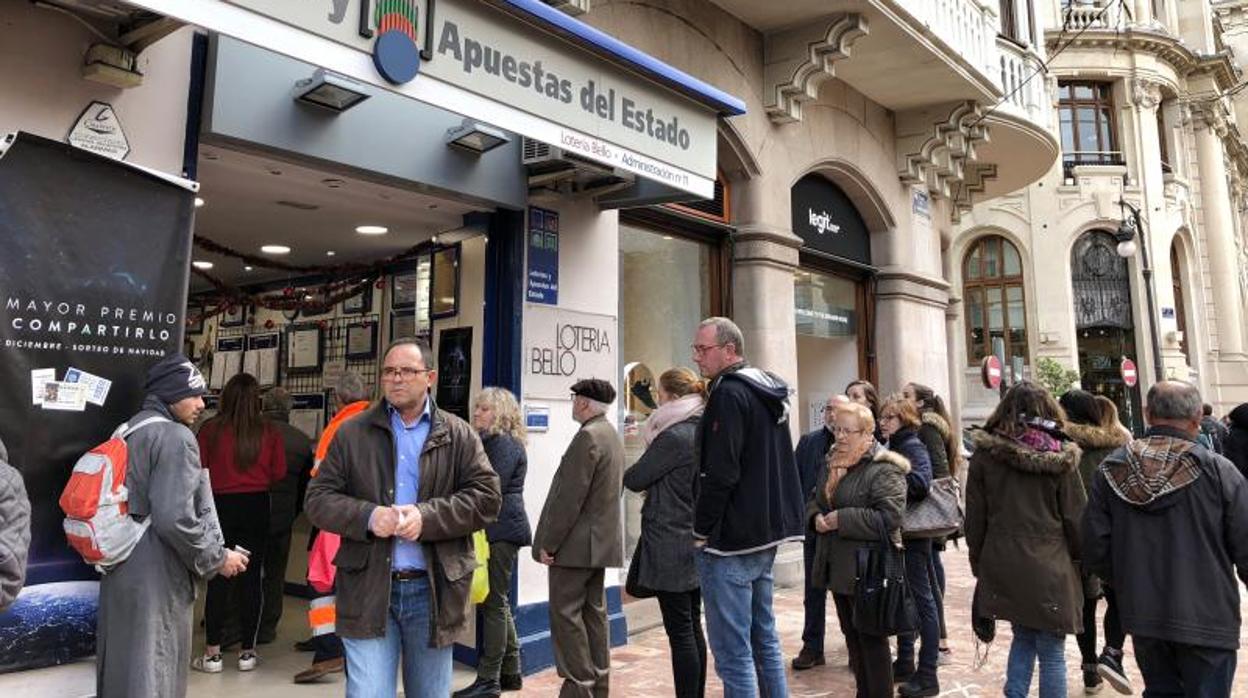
253,200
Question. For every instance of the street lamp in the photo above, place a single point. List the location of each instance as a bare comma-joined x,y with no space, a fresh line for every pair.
1125,235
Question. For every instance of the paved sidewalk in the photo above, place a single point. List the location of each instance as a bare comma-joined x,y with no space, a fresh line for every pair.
643,668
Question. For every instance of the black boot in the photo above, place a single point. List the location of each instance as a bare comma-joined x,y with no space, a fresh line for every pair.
807,659
481,688
919,688
511,682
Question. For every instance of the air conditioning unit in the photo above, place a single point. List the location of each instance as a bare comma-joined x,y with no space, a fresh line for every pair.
556,169
572,7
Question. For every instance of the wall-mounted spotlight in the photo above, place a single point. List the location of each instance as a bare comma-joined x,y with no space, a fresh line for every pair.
475,137
329,91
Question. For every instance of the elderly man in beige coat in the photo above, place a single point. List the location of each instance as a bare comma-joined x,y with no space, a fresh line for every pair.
578,536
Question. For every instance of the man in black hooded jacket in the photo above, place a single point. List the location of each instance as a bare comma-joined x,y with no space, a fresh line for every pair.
1167,526
749,503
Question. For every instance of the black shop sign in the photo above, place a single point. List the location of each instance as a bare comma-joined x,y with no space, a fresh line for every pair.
827,221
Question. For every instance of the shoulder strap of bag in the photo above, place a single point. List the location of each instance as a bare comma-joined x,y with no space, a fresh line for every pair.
125,430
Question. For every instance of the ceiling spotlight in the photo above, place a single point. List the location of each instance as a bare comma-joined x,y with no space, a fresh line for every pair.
275,249
200,264
199,202
330,253
475,137
247,267
371,229
329,91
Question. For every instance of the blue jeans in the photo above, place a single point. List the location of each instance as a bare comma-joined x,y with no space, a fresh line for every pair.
918,576
373,664
740,626
1029,645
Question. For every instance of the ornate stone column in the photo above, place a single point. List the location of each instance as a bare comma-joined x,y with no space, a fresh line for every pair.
1219,227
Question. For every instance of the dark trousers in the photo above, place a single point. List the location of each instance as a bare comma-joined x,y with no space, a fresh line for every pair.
869,654
1114,636
919,577
815,601
1174,669
937,569
578,631
500,648
244,521
276,555
682,619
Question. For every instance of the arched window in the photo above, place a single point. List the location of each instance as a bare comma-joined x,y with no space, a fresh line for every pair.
992,292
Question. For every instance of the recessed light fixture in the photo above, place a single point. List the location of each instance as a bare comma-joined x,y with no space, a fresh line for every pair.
330,253
333,183
275,249
667,237
200,264
275,172
247,267
475,137
371,229
199,202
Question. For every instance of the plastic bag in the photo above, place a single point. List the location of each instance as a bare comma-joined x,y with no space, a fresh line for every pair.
481,575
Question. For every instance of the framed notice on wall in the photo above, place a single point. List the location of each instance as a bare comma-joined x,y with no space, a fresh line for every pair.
361,341
444,300
455,370
303,348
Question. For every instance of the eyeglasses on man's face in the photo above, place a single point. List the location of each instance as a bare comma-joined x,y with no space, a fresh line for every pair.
404,373
700,349
846,431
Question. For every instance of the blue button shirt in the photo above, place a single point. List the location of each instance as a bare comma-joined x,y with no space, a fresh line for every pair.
409,442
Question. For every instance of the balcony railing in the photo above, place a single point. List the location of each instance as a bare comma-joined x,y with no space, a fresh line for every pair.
1075,158
1022,79
1078,15
962,25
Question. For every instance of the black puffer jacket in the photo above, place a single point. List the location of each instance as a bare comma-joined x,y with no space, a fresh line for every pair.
1167,526
1235,446
508,458
750,498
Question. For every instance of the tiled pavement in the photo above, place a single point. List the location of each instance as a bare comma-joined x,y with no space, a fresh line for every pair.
643,669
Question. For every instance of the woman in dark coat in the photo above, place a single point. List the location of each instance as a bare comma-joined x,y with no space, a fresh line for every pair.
1024,498
862,489
944,449
1085,425
899,422
664,560
496,417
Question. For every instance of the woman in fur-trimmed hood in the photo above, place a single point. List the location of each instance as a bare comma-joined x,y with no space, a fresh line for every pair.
1024,498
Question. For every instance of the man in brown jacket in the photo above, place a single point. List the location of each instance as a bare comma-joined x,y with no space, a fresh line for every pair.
578,536
405,484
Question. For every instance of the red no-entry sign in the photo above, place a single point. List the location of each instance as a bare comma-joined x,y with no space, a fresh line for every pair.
990,372
1129,374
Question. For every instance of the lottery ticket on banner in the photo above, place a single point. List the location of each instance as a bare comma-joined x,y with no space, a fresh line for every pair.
96,387
69,397
38,378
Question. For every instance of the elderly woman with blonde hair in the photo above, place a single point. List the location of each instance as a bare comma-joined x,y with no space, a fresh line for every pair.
862,488
497,419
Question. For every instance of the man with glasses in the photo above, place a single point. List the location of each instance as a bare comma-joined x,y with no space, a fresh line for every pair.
812,456
578,536
750,502
405,484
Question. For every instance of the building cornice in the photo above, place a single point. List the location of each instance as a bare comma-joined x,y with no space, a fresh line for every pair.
1156,41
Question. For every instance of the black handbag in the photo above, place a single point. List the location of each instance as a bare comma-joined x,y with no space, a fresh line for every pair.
632,583
883,602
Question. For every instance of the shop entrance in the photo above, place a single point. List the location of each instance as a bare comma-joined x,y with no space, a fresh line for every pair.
1104,321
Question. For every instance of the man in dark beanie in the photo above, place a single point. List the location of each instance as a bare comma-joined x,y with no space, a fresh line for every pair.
578,536
143,636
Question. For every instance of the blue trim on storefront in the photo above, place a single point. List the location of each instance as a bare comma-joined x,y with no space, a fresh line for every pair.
617,51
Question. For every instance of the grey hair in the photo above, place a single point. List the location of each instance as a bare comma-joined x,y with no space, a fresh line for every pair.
276,401
726,332
595,406
1173,399
350,388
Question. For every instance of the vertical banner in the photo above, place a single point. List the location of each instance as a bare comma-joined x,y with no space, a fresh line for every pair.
543,252
93,286
455,370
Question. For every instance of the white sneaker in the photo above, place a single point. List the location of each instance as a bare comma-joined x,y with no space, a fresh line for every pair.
247,661
208,663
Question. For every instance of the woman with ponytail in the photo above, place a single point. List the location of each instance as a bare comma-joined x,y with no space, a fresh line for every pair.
663,564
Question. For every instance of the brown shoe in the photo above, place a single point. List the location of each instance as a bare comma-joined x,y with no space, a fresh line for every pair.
319,669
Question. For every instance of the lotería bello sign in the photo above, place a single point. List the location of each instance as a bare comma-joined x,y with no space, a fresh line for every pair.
508,63
827,221
564,346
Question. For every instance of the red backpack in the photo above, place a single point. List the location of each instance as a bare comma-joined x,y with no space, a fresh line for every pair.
97,504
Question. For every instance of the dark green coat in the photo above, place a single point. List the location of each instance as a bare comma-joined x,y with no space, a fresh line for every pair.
1096,443
935,434
874,488
1022,527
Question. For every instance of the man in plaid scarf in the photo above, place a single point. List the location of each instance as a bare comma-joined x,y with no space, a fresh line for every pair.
1167,527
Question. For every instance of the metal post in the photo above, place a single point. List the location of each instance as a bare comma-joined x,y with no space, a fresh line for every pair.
1147,270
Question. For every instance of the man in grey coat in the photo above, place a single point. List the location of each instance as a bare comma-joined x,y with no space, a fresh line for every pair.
14,530
578,536
143,636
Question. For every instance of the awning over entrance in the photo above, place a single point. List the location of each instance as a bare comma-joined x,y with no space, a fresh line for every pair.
517,64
